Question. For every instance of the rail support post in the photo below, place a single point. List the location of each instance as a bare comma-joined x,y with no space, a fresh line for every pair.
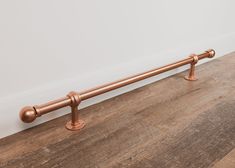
75,123
191,75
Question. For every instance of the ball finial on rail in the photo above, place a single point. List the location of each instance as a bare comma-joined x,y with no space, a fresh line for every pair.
211,52
28,114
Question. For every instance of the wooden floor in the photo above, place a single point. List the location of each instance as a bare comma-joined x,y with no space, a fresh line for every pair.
172,123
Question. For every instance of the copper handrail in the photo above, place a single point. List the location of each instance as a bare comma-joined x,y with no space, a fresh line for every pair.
73,99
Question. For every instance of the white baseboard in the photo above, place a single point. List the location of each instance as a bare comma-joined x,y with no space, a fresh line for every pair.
10,105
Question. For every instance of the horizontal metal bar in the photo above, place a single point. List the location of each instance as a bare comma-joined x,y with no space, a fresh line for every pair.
28,114
53,105
123,82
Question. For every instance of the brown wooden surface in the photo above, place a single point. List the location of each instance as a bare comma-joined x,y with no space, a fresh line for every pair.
171,123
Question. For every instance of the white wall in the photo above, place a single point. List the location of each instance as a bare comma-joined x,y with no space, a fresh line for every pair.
50,47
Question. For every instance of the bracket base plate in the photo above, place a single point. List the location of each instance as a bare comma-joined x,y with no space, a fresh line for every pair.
76,127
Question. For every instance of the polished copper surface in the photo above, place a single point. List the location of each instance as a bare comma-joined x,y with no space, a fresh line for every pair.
123,82
73,99
191,76
51,106
28,114
75,123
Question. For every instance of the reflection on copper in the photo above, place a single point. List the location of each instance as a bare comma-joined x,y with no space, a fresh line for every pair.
73,99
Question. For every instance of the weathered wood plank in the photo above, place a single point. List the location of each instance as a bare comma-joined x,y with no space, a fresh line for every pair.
170,123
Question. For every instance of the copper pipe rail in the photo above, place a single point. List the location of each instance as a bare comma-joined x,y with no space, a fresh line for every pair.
73,99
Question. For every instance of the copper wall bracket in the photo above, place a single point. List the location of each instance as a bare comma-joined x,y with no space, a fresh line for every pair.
73,99
191,76
75,123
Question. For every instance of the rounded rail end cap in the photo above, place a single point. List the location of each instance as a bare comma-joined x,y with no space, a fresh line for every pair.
211,52
28,114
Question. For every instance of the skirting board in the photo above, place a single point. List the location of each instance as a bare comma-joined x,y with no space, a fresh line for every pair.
11,105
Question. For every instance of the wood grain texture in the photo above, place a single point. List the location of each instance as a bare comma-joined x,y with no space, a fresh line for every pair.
172,123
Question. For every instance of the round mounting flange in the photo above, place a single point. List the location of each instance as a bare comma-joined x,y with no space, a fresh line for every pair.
190,78
75,127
